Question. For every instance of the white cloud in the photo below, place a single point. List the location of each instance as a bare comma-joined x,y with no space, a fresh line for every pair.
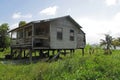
18,15
111,2
49,10
95,29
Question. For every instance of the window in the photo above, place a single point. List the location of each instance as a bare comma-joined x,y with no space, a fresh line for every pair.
59,33
71,35
41,30
28,32
20,34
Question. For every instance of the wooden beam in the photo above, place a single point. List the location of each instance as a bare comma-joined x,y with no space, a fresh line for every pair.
64,52
35,53
11,53
48,54
24,53
30,56
83,52
56,56
33,35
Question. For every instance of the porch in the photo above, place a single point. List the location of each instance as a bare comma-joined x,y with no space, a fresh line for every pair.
34,35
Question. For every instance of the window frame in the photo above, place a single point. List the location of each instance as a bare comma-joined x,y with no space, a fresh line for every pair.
72,35
59,31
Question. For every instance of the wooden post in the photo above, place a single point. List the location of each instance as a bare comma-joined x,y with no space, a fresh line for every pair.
41,54
20,54
53,52
33,35
73,50
64,52
11,53
48,54
35,53
24,53
30,55
58,51
70,51
82,51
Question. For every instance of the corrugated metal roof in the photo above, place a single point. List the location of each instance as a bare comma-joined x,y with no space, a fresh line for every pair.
48,20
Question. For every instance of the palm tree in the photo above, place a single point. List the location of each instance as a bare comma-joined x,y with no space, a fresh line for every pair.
107,43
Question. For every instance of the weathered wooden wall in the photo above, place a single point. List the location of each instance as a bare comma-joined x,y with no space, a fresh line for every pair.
45,34
65,43
81,40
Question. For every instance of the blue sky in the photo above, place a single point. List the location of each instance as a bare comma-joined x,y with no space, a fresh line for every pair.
97,17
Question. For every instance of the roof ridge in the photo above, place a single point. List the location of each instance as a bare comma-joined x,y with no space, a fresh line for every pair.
49,19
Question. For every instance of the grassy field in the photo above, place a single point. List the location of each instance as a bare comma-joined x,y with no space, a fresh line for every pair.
76,67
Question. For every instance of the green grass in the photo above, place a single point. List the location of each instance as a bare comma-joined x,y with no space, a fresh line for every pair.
76,67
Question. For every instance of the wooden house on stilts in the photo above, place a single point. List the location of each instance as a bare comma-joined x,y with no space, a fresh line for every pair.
62,33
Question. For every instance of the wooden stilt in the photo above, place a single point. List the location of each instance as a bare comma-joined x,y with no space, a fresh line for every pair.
64,52
20,54
73,50
11,53
24,53
30,56
53,52
27,54
35,53
16,51
41,54
58,53
14,54
48,53
70,51
83,52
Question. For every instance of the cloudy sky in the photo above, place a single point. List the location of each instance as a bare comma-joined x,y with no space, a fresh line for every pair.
97,17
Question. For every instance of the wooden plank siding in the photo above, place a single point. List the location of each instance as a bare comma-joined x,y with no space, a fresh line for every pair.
59,34
43,34
65,43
